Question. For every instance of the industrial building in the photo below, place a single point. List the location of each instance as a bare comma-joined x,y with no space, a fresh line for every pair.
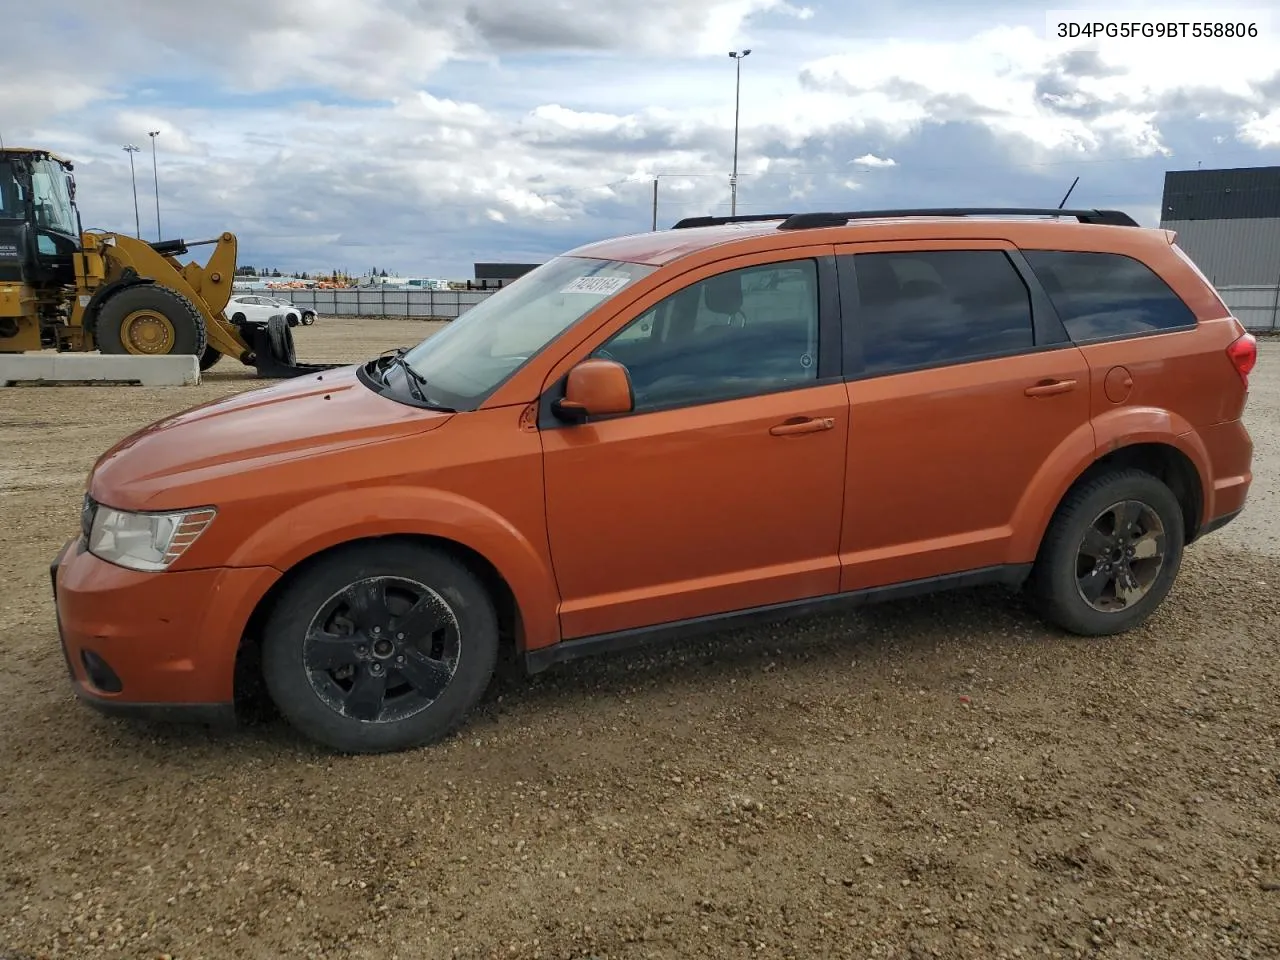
491,276
1228,222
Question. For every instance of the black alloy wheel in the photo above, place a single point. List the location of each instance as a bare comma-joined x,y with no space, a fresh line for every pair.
1120,556
382,649
379,646
1111,554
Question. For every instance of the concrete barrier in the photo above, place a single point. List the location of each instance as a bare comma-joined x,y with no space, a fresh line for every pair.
94,368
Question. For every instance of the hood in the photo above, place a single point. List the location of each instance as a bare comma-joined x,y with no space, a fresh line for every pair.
297,418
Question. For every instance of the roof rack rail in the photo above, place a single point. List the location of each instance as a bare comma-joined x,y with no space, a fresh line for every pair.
806,221
688,222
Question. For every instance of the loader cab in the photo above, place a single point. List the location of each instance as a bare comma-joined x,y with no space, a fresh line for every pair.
39,223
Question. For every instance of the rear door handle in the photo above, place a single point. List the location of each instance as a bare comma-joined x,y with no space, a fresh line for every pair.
807,425
1047,388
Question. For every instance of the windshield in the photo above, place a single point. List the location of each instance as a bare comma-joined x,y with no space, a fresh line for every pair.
469,358
54,210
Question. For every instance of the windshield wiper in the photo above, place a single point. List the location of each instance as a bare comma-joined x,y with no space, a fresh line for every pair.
415,380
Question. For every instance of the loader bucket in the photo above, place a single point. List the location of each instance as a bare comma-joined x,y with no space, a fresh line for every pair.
273,352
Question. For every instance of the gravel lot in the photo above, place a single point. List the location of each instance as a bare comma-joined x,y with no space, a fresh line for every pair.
939,778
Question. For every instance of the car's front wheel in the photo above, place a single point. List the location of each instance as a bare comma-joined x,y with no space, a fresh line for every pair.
381,647
1110,555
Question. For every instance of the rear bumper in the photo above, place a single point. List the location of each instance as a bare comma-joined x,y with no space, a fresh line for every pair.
1230,454
153,645
1217,523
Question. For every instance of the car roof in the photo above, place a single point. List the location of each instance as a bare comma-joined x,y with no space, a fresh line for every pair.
665,246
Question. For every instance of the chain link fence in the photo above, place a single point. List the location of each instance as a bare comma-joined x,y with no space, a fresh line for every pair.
377,302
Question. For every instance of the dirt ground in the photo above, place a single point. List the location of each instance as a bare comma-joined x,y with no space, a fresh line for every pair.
938,778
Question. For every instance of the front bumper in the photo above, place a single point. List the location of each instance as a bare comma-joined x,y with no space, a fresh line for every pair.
155,645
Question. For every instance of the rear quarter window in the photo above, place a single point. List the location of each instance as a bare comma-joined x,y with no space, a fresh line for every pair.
1100,296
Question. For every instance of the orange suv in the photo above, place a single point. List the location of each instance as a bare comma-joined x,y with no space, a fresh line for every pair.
670,432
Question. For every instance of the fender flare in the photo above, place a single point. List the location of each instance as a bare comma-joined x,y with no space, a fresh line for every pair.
1085,446
309,528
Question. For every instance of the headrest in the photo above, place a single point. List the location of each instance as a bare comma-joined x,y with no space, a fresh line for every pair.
724,293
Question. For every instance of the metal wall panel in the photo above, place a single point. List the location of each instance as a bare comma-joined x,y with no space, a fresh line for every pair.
1232,252
1249,193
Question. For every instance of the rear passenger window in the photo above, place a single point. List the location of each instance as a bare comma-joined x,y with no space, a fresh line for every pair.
938,307
1101,295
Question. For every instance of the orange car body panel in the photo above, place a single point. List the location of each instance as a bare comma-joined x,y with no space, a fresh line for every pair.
612,542
174,645
596,529
898,529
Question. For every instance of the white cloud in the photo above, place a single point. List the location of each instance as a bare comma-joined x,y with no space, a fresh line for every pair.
501,122
1263,130
871,160
995,77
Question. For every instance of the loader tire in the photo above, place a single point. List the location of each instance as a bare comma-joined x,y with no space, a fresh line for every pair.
281,340
209,357
150,320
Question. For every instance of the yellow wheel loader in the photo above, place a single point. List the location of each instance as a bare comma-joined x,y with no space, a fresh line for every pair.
73,291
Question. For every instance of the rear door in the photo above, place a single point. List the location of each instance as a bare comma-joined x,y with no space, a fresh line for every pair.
1139,336
962,385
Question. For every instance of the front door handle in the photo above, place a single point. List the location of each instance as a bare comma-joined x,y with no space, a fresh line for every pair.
1047,388
807,425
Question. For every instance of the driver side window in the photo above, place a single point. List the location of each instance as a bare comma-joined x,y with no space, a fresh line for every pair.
736,334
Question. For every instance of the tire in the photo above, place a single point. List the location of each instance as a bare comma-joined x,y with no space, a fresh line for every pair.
316,697
150,320
281,340
292,318
1063,558
308,318
209,357
238,318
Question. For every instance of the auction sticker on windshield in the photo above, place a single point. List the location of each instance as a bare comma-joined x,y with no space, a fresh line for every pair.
605,286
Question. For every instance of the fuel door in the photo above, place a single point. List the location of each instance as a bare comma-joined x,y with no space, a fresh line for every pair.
1118,384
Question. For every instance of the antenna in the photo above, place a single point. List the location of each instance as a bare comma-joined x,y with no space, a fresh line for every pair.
1069,189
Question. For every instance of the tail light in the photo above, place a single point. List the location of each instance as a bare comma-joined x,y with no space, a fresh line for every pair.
1243,354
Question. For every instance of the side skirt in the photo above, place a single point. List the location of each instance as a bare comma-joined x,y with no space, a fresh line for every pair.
536,661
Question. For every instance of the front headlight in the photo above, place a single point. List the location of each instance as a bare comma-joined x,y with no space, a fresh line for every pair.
147,542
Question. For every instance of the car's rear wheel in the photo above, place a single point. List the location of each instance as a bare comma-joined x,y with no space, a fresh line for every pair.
380,648
1111,554
308,318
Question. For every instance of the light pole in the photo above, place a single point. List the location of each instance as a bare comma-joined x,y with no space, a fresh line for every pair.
738,57
156,172
130,149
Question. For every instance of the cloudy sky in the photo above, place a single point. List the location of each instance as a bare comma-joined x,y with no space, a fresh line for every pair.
422,135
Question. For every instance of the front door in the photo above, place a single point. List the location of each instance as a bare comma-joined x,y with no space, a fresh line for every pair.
723,489
962,386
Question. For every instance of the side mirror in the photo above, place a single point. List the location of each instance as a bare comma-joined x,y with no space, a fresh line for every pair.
595,388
